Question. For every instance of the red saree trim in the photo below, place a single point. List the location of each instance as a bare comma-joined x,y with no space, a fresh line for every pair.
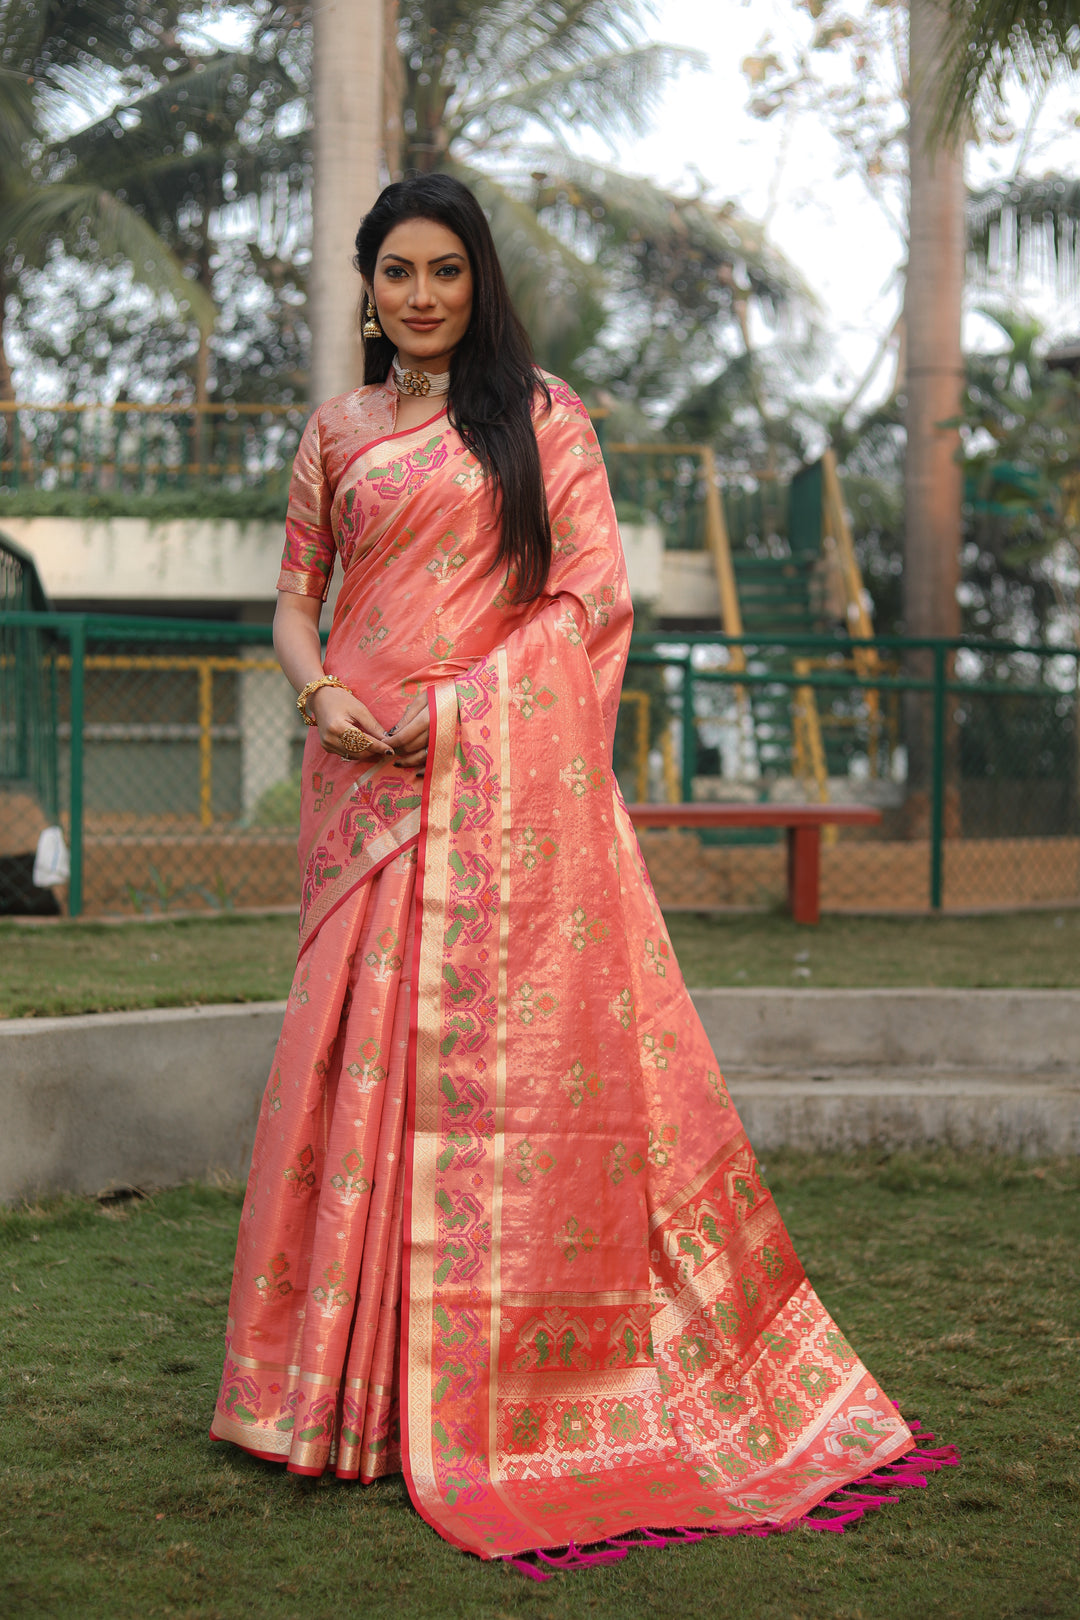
399,433
266,1456
365,877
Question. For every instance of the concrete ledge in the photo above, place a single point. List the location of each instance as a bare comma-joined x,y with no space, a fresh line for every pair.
1015,1031
153,1098
139,1099
1019,1115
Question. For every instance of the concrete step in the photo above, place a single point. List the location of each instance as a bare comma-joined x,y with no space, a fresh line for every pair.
152,1098
810,1031
894,1109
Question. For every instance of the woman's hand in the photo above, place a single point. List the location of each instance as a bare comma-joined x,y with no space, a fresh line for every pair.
336,712
410,735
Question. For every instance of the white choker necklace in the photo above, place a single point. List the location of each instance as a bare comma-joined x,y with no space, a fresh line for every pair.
420,382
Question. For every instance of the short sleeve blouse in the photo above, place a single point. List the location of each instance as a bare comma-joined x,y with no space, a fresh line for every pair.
308,559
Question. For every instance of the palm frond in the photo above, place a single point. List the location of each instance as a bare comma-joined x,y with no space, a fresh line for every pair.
16,118
989,41
1028,226
447,44
679,243
557,294
613,94
208,104
499,35
44,39
554,34
89,219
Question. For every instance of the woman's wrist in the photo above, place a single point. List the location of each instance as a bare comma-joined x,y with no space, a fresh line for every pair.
312,688
315,701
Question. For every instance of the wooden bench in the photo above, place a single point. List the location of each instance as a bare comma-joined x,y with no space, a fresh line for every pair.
803,823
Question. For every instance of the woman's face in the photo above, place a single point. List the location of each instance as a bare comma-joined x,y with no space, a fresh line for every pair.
423,292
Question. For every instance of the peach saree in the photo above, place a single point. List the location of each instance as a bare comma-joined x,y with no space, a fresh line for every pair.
504,1230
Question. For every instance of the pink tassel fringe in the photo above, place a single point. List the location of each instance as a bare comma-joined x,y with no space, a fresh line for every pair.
845,1506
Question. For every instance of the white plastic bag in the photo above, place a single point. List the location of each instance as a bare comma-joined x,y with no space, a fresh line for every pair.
51,864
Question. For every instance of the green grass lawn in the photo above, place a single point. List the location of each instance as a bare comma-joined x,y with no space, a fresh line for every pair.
957,1279
58,968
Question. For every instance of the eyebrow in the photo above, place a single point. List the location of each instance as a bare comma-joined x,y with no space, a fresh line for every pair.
401,259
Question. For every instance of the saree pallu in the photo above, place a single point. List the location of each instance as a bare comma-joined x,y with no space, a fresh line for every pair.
504,1229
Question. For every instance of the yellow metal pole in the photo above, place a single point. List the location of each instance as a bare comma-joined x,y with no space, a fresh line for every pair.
671,775
810,747
858,618
206,743
643,747
639,701
720,547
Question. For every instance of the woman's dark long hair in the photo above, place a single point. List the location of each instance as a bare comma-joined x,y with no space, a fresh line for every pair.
493,377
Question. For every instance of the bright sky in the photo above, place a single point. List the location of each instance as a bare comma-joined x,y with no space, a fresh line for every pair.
828,226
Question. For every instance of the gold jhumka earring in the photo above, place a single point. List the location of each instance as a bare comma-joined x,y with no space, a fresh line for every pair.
371,327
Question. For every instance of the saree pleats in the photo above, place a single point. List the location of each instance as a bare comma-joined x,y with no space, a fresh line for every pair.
504,1229
310,1371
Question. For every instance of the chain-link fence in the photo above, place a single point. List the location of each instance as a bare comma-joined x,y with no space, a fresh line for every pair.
969,751
178,757
176,747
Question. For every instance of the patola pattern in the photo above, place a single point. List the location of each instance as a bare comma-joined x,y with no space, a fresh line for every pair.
504,1228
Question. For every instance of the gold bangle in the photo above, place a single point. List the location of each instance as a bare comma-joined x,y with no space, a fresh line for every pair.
309,691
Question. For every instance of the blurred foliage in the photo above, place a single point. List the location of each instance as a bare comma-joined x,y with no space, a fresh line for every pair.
263,504
1027,225
207,150
1020,433
994,41
279,806
135,144
845,68
59,62
155,211
1021,436
616,278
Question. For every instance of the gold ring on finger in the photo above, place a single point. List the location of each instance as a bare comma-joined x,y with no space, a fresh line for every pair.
356,742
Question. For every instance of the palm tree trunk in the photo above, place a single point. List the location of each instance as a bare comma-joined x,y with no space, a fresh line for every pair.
7,385
202,366
393,94
934,378
347,84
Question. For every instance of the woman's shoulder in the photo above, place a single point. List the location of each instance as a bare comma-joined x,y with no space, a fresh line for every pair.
565,404
356,403
363,413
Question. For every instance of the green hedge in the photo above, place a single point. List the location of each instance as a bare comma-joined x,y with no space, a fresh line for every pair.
266,504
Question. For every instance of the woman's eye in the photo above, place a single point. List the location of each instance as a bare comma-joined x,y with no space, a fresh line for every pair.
393,272
449,270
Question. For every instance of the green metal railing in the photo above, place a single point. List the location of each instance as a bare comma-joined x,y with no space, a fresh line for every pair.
139,449
27,683
160,725
921,674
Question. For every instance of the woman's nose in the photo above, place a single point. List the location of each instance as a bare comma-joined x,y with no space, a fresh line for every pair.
423,294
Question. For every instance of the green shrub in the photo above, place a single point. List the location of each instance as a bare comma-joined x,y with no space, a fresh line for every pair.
264,504
279,805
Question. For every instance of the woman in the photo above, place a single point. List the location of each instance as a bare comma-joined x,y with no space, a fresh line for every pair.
503,1228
